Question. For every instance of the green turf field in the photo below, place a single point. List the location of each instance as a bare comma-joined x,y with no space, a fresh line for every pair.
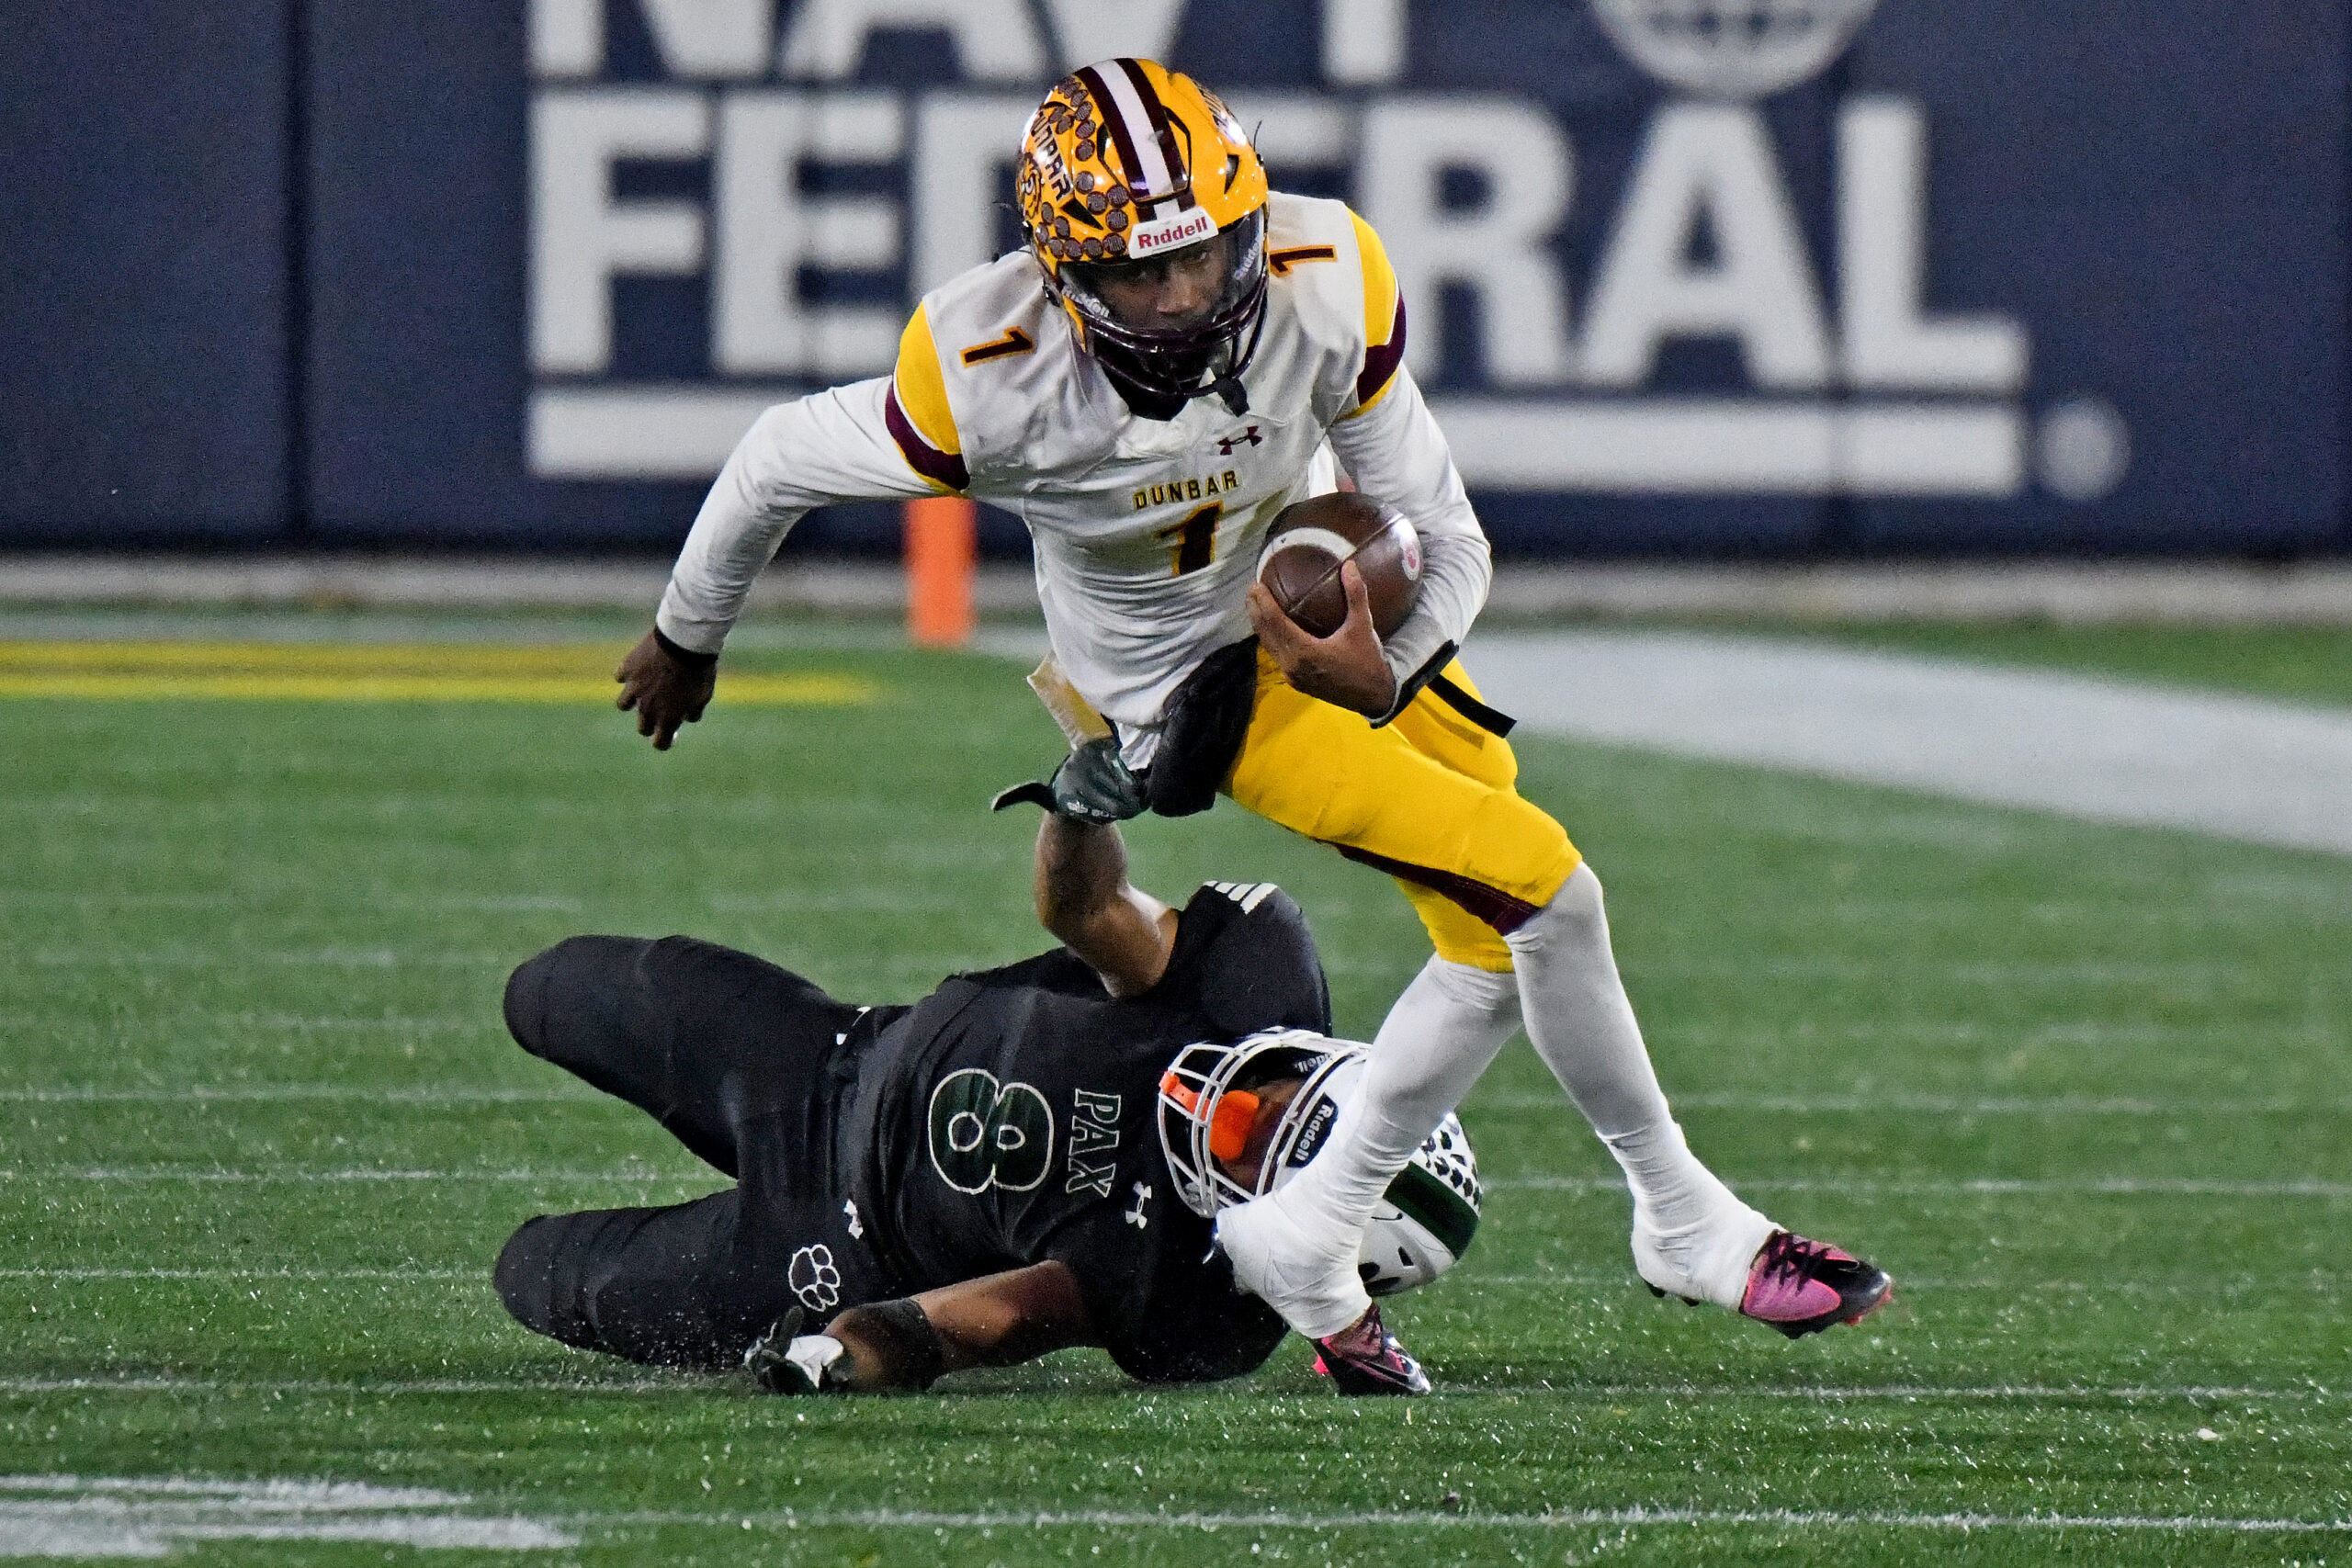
2086,1091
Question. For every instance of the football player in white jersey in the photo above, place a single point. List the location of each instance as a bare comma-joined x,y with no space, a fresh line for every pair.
1175,355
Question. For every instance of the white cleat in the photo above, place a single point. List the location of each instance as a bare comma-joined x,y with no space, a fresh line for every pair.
1306,1275
1708,1261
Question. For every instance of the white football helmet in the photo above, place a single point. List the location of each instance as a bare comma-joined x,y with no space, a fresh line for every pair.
1207,1106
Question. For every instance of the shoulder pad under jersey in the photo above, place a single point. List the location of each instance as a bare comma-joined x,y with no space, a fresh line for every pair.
978,359
1332,274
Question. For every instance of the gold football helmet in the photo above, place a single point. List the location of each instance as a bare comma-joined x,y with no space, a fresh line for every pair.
1127,168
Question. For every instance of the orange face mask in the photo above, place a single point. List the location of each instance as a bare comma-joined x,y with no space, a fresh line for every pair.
1230,1129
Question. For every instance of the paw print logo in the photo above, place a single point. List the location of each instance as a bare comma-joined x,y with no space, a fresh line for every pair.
814,1279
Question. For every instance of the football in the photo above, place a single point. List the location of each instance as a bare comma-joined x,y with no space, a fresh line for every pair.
1309,542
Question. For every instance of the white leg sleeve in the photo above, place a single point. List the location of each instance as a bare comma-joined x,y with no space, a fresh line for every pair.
1691,1234
1298,1248
1437,1040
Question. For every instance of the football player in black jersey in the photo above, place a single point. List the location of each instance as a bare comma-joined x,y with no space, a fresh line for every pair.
974,1181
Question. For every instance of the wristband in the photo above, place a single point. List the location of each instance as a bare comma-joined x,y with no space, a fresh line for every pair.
685,656
909,1345
1410,686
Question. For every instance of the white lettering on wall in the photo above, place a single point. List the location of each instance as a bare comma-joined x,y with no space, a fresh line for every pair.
1882,266
768,231
1089,30
1363,41
962,139
996,40
1710,162
1500,250
713,37
567,38
1705,243
1292,130
581,237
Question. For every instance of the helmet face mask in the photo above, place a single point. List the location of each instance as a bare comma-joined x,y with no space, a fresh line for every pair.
1430,1210
1177,355
1128,164
1196,1086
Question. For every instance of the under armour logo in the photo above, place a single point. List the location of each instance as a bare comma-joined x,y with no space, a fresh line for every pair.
1134,1216
1227,444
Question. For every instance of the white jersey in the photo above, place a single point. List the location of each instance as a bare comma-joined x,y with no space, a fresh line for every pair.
1146,532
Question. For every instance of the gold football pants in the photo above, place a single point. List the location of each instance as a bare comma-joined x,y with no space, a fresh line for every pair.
1430,798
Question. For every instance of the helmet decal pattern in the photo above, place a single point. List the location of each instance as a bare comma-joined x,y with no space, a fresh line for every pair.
1127,161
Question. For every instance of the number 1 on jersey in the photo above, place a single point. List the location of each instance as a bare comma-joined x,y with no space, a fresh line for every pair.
1191,544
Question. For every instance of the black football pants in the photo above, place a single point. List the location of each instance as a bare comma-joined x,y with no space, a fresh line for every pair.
743,1062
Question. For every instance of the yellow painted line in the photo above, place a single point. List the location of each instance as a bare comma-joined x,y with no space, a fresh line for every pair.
345,672
376,659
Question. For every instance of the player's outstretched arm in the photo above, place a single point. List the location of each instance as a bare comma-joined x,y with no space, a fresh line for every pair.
667,685
828,447
1085,899
911,1343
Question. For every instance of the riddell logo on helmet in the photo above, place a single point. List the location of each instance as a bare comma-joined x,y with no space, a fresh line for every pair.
1166,233
1311,1135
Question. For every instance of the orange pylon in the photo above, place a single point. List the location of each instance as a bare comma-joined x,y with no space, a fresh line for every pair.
943,550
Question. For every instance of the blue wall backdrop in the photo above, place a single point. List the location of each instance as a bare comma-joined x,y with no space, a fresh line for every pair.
1837,275
145,350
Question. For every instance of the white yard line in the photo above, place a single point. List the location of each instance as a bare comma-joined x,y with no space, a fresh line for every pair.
137,1173
2315,1033
2269,772
1564,1518
1551,1281
1992,1187
65,1516
271,1094
1978,1187
2023,1394
1892,1103
318,958
1897,1104
1913,1284
242,1276
173,1383
2306,1281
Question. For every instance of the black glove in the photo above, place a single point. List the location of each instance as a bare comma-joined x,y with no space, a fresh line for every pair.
1093,784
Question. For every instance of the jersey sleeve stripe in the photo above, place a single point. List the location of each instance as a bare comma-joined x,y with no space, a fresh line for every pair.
1379,283
1248,895
944,469
916,408
1380,362
1384,317
922,386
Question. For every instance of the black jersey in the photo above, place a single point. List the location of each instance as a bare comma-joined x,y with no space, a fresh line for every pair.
1011,1118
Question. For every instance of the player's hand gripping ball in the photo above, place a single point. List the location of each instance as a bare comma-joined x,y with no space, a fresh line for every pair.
1313,538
